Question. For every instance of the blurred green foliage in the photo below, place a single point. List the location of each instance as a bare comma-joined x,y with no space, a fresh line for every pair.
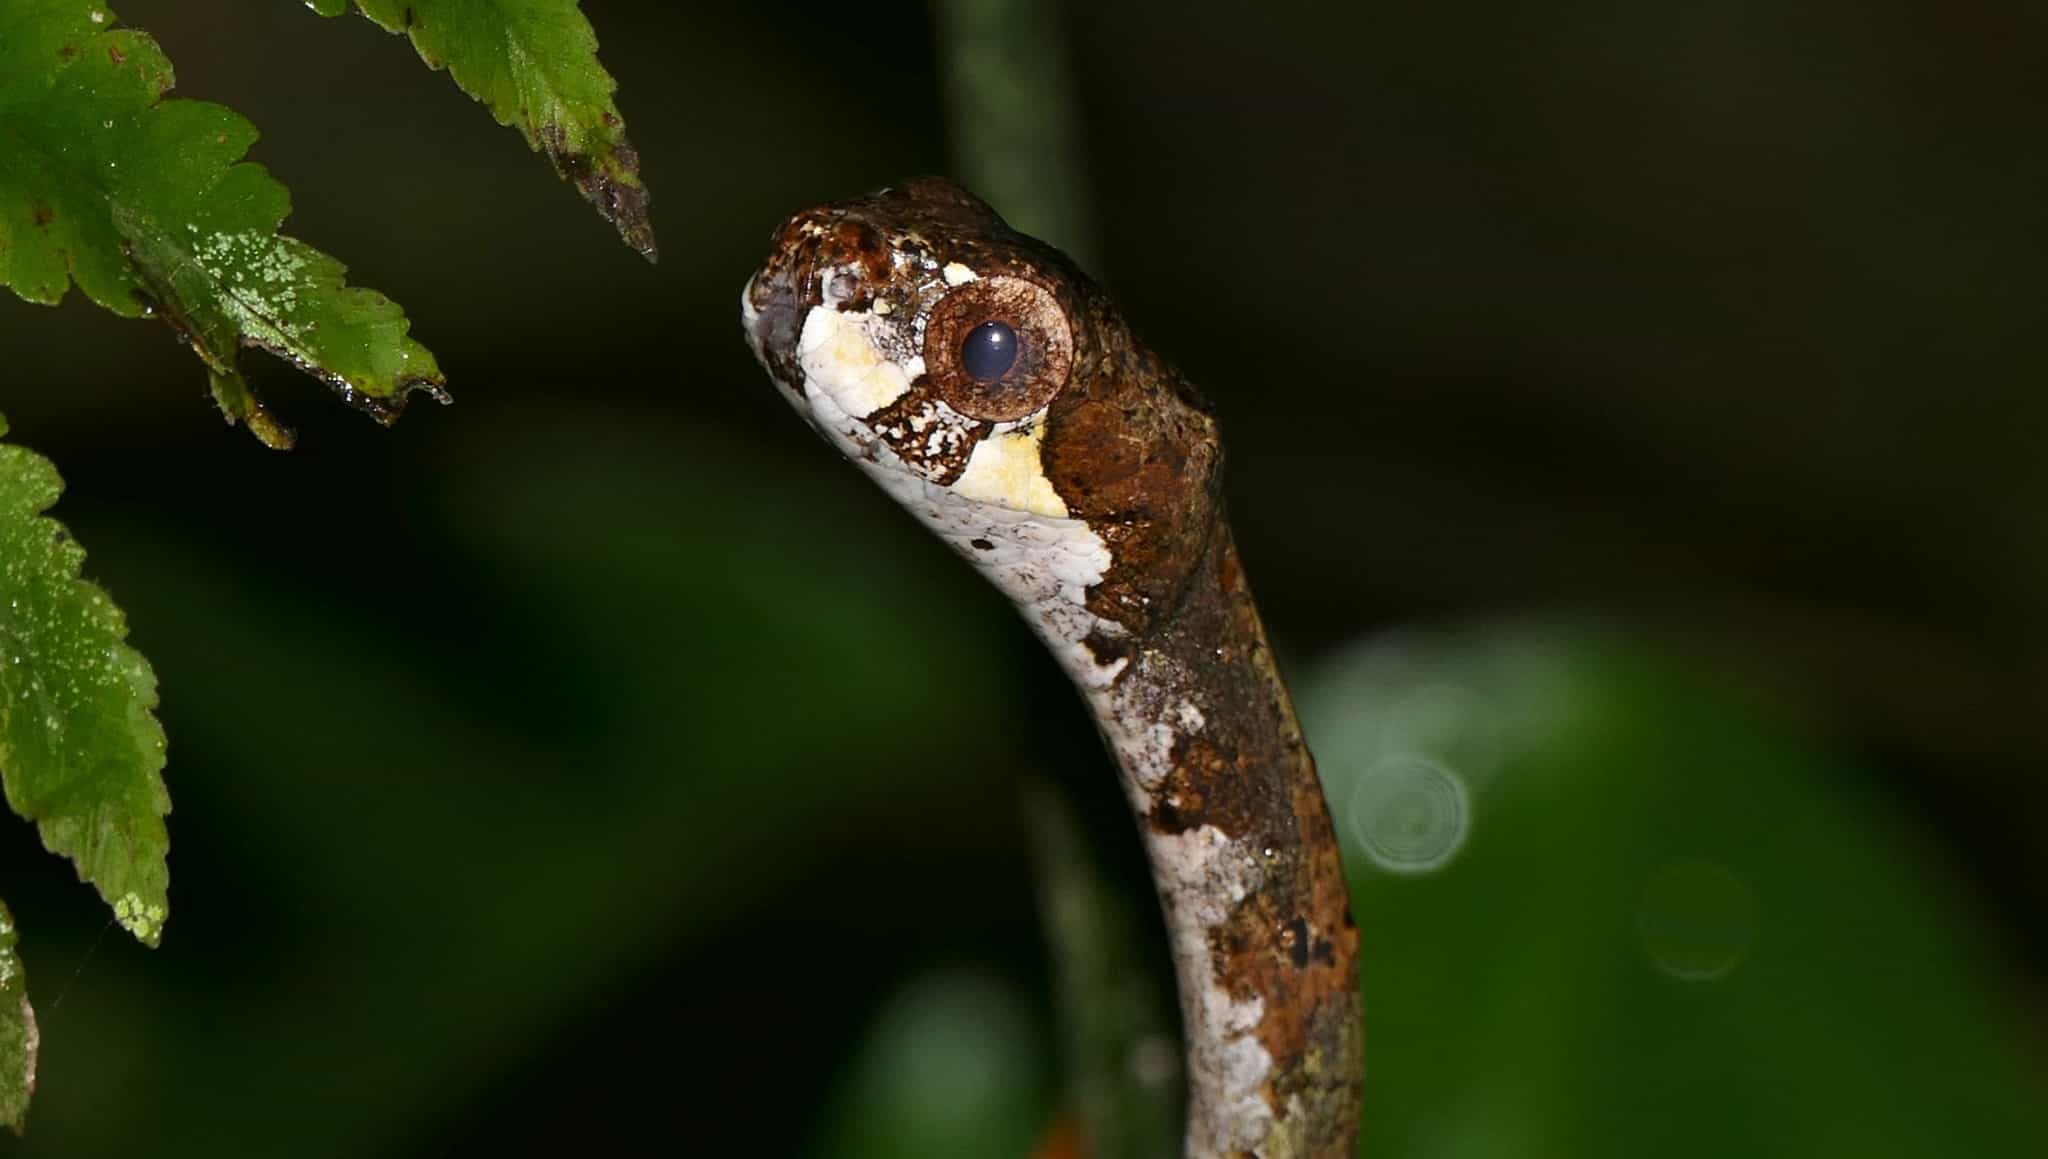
952,1066
1667,926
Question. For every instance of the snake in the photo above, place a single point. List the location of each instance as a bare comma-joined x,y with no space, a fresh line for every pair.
996,392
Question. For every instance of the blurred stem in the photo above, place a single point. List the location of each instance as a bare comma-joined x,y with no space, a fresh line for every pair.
1010,113
1011,116
1122,1058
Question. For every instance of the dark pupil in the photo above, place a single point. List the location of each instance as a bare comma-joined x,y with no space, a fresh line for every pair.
989,351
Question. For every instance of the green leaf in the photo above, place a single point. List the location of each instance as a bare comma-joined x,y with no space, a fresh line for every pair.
146,205
18,1034
533,63
81,754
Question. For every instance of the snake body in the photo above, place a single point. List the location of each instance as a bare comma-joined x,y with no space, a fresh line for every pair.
994,391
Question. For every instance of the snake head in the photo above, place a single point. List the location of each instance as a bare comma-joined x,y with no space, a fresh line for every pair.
916,322
992,388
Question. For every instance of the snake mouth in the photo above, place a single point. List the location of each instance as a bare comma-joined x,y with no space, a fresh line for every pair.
771,311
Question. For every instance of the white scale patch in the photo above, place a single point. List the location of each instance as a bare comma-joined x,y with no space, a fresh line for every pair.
1005,468
1046,561
1208,872
839,359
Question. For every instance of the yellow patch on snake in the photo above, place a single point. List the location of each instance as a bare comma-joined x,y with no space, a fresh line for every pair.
1006,468
840,359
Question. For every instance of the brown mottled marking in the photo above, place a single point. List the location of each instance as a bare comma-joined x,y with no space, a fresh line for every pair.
942,459
1249,774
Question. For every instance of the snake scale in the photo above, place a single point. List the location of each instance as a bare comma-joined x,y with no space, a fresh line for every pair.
994,391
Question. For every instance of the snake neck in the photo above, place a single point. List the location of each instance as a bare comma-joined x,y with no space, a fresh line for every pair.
1153,621
1247,866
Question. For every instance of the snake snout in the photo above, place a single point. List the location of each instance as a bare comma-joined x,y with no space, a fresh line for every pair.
829,255
773,318
771,306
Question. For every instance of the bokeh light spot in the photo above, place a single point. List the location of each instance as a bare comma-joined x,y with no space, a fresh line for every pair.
1697,921
1409,815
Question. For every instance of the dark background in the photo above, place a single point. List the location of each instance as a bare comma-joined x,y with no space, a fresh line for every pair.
1635,409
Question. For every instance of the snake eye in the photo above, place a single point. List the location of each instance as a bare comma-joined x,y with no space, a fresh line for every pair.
999,348
990,351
